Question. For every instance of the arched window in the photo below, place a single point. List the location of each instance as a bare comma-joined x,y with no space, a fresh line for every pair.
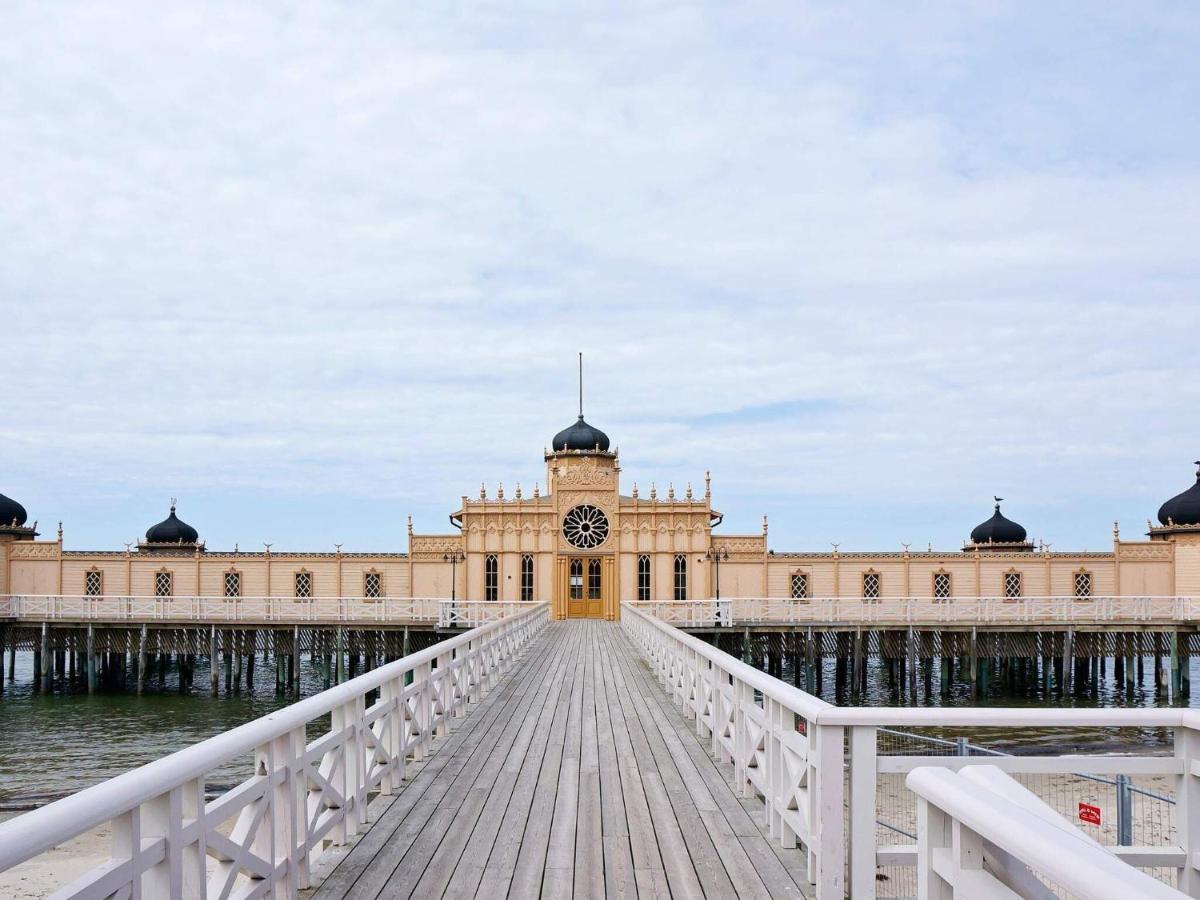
575,579
527,577
871,585
943,585
233,583
680,576
302,581
164,583
491,578
1083,583
93,582
372,585
1013,586
643,578
799,585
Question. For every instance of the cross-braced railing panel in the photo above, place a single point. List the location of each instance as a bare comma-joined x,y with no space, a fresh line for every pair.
263,835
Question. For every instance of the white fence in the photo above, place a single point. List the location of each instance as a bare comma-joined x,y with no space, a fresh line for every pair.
220,609
473,613
688,613
984,836
966,610
304,795
786,747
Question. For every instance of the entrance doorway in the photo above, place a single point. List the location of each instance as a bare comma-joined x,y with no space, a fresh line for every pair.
585,587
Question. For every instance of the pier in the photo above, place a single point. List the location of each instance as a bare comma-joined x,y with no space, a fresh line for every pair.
536,757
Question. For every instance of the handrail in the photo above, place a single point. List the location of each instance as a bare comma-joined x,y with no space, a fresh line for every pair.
216,609
793,750
1063,857
366,746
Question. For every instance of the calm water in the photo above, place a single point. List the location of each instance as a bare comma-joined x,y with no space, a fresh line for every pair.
54,744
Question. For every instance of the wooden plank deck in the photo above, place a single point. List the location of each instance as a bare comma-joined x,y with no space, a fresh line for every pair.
575,777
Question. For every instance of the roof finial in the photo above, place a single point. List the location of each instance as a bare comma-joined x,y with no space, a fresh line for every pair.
173,502
998,500
1198,470
581,385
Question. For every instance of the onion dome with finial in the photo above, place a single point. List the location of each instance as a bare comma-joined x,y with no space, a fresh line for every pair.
580,436
12,513
998,530
172,530
1183,509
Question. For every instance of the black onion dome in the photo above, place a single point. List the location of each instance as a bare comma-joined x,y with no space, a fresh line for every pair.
580,436
1183,509
998,530
12,513
172,530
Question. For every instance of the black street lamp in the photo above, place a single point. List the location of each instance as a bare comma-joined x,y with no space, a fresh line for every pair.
716,556
454,558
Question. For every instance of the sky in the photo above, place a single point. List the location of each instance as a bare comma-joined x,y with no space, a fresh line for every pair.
314,268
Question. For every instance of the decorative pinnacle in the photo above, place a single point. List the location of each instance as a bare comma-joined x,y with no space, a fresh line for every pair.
671,490
653,491
518,490
482,491
500,492
537,489
635,491
688,493
707,484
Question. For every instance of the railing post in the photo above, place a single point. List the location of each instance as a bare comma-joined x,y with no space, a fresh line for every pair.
1187,810
827,841
863,775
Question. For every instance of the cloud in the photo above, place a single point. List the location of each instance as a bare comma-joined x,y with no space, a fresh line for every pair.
340,258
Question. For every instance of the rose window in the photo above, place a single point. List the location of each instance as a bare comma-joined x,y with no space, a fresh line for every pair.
585,527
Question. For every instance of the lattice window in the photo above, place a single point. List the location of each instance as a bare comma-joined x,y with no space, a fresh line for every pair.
372,585
799,585
526,578
680,576
164,584
1013,586
643,578
233,584
93,583
491,577
870,585
1083,583
575,579
943,586
304,584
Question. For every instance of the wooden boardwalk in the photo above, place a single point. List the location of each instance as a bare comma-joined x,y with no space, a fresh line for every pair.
576,776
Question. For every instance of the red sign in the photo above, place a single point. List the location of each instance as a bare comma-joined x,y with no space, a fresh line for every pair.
1089,814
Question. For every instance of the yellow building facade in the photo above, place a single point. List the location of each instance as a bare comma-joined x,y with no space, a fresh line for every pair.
585,546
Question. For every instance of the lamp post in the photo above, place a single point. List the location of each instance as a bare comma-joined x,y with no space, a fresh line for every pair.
716,556
454,558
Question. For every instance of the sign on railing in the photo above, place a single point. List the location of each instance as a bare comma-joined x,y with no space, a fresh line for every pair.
304,794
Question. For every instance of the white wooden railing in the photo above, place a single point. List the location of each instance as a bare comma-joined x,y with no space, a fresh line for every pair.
304,794
786,747
43,608
979,610
980,838
472,613
689,613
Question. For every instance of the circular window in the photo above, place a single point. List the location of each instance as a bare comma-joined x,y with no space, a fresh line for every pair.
585,527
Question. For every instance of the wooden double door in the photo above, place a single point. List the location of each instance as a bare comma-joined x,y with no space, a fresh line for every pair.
585,587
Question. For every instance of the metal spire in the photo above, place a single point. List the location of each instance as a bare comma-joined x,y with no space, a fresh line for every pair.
581,384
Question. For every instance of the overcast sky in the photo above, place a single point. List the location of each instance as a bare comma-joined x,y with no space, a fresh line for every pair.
311,269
